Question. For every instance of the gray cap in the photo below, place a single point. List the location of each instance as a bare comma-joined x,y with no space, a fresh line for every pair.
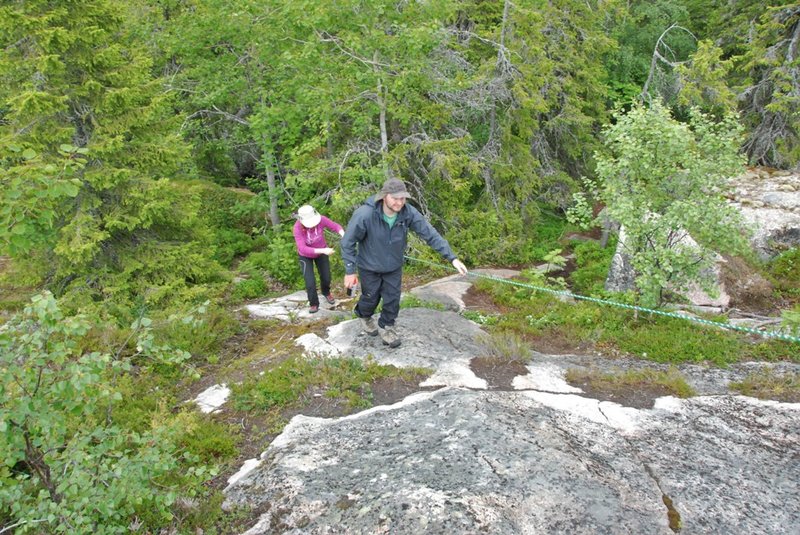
395,187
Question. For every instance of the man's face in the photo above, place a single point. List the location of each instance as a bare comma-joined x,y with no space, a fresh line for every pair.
392,203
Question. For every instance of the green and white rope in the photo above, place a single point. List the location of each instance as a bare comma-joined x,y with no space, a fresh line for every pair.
719,324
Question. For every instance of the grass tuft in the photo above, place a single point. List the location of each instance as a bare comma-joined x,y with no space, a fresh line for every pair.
671,380
505,347
768,384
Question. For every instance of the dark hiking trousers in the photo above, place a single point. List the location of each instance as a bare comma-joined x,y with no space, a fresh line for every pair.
376,286
324,269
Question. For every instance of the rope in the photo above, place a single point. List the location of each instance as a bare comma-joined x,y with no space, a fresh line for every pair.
718,324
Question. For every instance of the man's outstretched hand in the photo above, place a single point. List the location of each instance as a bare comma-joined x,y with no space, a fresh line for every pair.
459,265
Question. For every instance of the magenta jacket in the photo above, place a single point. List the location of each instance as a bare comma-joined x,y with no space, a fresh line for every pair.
308,239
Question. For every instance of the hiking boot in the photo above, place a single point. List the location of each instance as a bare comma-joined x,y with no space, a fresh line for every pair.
369,326
389,336
313,309
329,298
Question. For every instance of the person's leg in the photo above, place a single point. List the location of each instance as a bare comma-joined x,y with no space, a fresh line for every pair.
390,293
307,267
368,301
370,282
324,269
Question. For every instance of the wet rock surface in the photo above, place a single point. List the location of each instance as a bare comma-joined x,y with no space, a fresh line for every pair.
536,456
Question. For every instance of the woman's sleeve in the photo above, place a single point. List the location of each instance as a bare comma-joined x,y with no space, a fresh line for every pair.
331,225
299,240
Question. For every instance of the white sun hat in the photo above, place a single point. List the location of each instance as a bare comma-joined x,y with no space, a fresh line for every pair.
308,216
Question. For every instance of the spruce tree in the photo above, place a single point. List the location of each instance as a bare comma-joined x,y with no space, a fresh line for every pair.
91,146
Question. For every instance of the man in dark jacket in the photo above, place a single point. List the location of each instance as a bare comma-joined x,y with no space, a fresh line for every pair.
374,244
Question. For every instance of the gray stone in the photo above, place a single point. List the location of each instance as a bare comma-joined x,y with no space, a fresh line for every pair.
449,291
454,461
462,461
294,307
440,341
775,216
543,458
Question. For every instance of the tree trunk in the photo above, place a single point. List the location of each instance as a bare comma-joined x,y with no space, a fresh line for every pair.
272,188
34,458
499,68
382,120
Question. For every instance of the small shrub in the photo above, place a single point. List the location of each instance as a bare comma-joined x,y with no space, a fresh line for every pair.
210,441
202,333
785,273
279,261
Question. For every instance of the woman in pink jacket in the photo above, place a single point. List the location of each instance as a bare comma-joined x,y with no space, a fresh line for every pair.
309,234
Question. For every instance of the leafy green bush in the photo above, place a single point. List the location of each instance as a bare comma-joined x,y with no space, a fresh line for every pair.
279,260
661,179
249,289
784,271
65,467
593,263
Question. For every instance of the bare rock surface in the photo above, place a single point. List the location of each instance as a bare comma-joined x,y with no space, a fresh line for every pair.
294,307
449,291
770,203
541,457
